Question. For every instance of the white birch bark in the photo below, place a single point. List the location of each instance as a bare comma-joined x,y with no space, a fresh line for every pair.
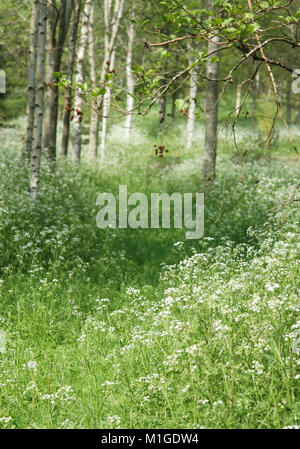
129,81
94,124
112,17
238,100
106,108
211,114
76,150
39,100
255,93
288,102
31,79
192,106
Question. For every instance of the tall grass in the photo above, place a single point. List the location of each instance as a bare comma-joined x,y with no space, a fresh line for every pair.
142,328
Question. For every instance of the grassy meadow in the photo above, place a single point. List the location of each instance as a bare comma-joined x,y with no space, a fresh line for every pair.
124,328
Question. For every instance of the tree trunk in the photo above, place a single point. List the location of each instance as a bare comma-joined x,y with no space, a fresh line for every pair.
238,100
93,140
31,80
49,70
211,113
39,100
173,110
130,81
288,102
255,92
106,108
162,112
163,99
297,112
76,150
192,107
54,50
112,22
95,111
68,91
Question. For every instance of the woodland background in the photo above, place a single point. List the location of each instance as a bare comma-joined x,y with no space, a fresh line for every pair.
125,328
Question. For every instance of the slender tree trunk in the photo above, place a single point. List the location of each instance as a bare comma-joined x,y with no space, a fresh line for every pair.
112,22
173,110
39,100
76,150
163,100
95,111
175,93
130,81
255,92
93,140
31,80
68,91
238,100
297,112
288,102
192,107
55,55
162,112
211,113
49,70
106,108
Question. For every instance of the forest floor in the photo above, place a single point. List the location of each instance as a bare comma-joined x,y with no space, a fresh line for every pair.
124,328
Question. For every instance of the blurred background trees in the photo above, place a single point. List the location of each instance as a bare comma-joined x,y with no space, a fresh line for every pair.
108,59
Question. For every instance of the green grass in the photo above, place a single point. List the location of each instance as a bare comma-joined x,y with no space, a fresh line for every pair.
120,328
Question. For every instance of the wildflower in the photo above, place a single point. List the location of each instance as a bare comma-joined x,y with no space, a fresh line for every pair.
113,421
272,287
219,402
179,244
82,338
203,401
6,419
32,365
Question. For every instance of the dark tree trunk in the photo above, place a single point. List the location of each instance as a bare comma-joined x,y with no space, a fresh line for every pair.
51,116
68,92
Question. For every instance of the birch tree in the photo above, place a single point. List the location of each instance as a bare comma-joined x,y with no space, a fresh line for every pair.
94,124
162,112
112,17
238,100
76,150
49,70
255,93
39,99
31,79
55,45
129,81
288,101
192,104
68,99
211,112
106,108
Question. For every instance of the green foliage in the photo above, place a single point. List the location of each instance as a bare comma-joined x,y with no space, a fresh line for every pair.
133,328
